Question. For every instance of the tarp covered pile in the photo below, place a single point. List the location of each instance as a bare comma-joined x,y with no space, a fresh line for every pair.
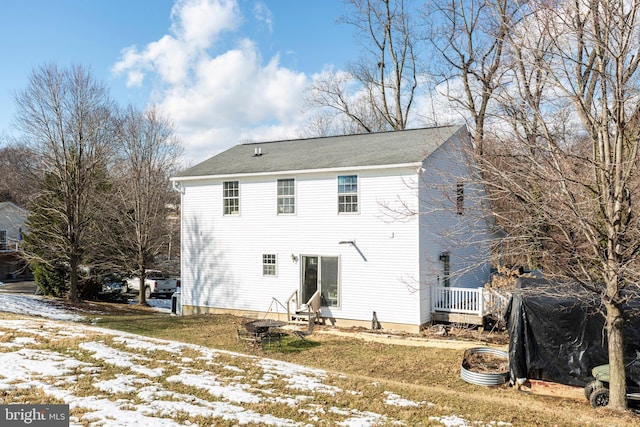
557,333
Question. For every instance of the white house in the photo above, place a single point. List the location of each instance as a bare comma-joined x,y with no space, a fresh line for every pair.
12,224
371,222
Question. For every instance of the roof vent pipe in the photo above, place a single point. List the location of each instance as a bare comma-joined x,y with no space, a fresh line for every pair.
257,151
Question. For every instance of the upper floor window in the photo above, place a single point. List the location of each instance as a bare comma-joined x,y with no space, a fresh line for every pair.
347,193
286,196
231,197
268,264
459,197
446,268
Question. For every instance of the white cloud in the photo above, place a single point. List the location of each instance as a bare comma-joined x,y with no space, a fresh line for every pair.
199,22
219,90
262,13
197,25
216,98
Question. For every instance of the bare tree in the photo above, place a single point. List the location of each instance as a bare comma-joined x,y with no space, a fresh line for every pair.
19,183
65,114
143,199
575,168
527,91
470,37
377,93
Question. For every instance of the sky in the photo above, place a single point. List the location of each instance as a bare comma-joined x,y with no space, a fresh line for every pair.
141,381
224,71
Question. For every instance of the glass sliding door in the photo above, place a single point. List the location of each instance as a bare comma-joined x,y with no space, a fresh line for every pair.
329,281
321,273
309,277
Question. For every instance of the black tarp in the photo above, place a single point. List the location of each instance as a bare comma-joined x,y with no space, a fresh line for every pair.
557,333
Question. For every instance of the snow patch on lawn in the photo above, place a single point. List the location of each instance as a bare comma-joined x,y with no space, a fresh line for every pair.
134,390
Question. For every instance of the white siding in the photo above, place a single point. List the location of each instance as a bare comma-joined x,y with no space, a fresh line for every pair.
465,237
222,255
405,221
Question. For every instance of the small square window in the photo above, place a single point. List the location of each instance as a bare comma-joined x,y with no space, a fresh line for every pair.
268,264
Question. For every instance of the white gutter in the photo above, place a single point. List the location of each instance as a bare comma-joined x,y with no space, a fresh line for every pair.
178,179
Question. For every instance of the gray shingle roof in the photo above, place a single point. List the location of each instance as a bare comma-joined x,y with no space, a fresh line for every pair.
370,149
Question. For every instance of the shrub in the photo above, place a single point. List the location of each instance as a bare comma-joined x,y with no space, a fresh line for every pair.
51,279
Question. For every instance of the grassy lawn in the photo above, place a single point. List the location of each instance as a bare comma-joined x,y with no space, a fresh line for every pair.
417,373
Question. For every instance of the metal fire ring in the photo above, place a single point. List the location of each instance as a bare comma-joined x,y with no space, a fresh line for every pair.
487,378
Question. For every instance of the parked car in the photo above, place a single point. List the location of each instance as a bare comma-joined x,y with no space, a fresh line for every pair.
113,288
157,283
113,283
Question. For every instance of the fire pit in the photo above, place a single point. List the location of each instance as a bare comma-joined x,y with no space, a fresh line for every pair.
485,366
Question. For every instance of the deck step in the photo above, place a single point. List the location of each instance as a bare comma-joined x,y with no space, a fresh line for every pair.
302,317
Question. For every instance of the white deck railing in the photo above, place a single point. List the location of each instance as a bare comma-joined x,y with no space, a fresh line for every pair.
312,307
496,302
292,304
458,300
477,301
9,246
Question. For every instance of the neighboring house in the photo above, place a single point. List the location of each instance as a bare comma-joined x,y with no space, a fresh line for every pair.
366,223
12,224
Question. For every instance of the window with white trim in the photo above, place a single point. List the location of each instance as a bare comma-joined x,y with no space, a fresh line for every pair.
231,197
347,194
269,264
446,269
459,197
286,196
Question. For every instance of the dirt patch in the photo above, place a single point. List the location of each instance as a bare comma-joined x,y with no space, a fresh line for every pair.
438,336
546,388
498,337
483,363
409,340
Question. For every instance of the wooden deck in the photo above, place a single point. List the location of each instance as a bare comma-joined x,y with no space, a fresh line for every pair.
468,319
464,305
